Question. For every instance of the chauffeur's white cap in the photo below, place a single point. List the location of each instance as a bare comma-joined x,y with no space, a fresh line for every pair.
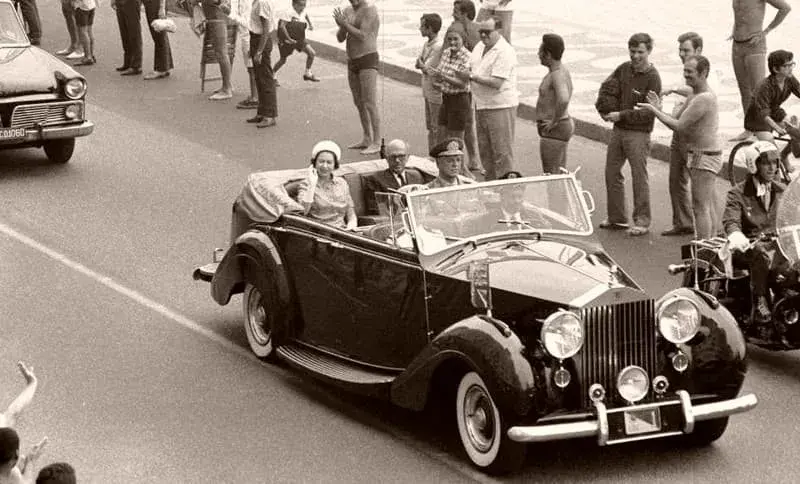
326,145
755,150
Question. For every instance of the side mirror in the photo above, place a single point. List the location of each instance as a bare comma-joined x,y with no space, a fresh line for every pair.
480,286
589,199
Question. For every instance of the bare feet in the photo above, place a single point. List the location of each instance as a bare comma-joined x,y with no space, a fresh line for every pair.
371,149
359,146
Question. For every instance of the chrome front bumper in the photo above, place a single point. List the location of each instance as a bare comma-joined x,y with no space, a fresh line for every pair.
599,427
46,133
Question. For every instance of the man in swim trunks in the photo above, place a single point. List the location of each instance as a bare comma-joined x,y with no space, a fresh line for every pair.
358,25
749,50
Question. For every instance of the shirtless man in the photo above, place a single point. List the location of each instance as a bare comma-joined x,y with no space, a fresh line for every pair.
750,45
552,118
358,25
698,126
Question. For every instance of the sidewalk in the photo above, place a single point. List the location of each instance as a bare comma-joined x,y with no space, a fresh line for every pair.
596,36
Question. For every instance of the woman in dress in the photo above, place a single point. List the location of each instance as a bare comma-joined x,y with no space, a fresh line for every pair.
326,197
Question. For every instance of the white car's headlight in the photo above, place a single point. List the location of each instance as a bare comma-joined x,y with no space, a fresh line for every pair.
562,334
75,88
678,319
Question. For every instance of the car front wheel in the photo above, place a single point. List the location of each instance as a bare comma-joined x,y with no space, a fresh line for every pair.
258,322
706,432
59,151
483,430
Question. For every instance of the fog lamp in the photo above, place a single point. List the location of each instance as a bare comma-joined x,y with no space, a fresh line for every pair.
680,362
561,378
73,111
597,393
660,384
633,383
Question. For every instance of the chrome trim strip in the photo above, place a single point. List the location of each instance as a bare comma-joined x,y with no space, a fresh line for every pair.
645,437
593,428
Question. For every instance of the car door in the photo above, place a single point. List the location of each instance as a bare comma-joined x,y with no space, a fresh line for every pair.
359,297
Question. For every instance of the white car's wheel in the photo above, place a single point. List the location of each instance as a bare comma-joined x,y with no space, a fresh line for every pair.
59,151
257,322
482,429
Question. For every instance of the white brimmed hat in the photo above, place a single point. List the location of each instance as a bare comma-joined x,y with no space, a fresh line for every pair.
326,145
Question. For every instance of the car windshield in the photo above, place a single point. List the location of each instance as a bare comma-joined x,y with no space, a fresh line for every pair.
442,217
11,32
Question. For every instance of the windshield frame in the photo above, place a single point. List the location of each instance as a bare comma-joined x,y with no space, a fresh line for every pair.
20,26
572,183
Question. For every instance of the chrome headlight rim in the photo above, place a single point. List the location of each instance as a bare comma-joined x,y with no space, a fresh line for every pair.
666,305
642,392
75,88
548,326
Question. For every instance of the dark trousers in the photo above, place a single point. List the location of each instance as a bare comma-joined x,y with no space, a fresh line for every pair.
130,31
265,79
162,56
30,13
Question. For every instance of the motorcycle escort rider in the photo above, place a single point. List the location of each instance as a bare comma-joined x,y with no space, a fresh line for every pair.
750,211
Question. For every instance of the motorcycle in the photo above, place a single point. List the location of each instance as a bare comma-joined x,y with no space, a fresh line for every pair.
708,267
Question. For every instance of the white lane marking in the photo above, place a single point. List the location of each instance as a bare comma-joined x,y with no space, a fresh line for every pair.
424,448
127,292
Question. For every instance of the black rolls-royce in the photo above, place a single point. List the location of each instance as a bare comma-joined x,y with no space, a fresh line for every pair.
494,296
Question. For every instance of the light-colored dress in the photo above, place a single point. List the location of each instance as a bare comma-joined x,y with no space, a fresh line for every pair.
332,200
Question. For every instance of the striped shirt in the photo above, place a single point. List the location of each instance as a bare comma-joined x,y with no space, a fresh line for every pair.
452,62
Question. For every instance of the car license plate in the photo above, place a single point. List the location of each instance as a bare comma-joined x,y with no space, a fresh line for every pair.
642,421
11,133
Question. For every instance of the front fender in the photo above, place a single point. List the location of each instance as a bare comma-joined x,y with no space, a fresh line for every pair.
253,255
478,343
717,354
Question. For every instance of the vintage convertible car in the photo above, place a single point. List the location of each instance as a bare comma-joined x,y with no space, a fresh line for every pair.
41,97
495,297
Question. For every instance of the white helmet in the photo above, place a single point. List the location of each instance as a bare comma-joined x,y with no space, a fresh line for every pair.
755,150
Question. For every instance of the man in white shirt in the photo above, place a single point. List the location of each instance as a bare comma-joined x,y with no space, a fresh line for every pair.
494,88
503,10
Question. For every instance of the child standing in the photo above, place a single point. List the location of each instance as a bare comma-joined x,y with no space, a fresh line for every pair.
292,36
84,18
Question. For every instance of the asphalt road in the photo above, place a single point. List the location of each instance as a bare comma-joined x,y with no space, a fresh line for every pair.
145,379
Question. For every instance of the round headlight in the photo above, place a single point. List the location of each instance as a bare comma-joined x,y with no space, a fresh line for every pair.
75,88
632,383
678,319
562,334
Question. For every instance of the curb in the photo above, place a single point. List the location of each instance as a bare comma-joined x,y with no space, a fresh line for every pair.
525,111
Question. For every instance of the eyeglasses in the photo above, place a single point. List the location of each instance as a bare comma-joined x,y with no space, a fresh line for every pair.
397,156
790,64
485,32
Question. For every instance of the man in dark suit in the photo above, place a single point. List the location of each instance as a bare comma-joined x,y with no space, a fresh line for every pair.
513,213
749,211
391,179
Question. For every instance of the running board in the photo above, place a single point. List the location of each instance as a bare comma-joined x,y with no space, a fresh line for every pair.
337,371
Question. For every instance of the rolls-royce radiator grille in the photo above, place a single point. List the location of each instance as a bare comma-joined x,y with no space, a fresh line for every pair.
617,336
29,115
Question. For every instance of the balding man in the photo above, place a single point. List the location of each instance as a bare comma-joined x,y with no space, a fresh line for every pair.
392,178
749,49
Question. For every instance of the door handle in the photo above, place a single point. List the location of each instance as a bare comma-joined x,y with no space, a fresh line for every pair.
330,243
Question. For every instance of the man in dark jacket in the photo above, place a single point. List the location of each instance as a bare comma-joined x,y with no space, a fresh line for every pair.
749,211
392,178
630,139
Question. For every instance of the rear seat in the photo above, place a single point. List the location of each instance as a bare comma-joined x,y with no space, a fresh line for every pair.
356,183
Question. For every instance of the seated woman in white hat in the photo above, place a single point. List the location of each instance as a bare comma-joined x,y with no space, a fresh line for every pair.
324,196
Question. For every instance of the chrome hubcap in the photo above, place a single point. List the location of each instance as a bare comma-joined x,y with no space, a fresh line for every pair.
258,318
479,418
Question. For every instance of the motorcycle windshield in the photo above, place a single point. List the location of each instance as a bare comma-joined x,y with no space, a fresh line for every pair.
787,222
